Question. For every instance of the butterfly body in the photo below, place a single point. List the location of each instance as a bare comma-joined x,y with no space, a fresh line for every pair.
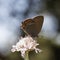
33,26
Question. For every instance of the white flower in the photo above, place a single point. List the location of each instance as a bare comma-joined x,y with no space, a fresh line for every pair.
25,44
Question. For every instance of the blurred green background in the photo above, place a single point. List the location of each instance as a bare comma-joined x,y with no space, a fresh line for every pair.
13,12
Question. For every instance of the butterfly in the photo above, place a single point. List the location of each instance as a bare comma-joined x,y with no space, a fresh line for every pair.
32,26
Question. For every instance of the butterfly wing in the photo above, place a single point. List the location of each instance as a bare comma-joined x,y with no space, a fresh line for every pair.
38,23
26,23
33,26
27,26
30,28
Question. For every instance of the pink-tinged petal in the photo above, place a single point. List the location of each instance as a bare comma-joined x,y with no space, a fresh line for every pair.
26,44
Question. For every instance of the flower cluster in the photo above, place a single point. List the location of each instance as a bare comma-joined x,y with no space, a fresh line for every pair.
26,44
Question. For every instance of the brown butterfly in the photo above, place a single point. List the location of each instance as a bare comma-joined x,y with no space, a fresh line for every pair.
33,26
